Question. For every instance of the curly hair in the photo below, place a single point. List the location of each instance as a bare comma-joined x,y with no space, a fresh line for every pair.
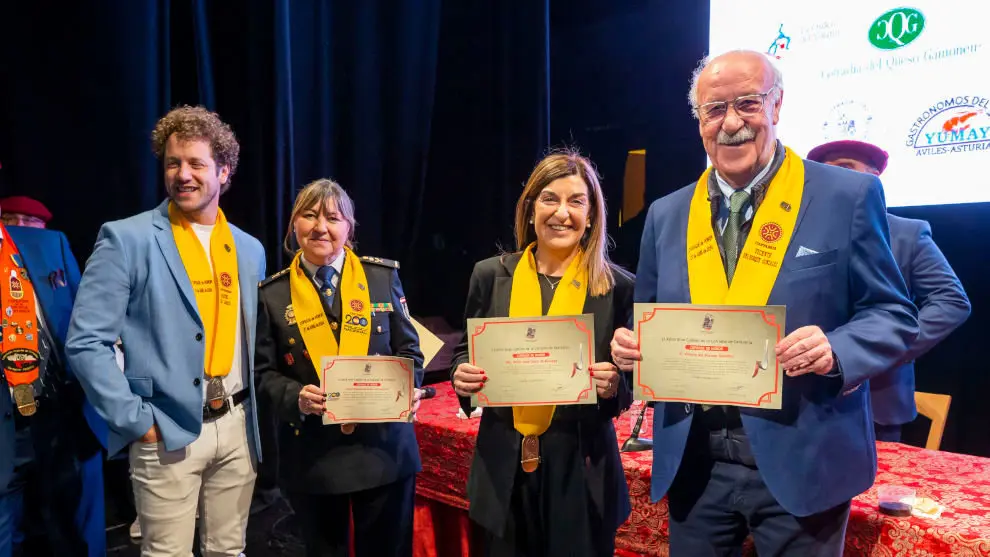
198,123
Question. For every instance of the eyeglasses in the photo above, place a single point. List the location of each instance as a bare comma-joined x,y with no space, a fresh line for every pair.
746,105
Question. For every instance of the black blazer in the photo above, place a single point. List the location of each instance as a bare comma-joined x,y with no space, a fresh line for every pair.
314,458
595,454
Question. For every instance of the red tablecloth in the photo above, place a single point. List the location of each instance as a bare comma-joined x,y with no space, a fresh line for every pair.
961,483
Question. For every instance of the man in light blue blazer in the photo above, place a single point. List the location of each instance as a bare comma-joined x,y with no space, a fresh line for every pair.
935,289
189,420
787,476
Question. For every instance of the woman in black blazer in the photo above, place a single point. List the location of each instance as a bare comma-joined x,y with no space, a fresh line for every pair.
576,498
328,471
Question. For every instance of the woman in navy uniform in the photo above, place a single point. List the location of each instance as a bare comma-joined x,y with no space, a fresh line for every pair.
562,491
352,306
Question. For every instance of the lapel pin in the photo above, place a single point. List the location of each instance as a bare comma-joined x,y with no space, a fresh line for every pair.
227,247
785,206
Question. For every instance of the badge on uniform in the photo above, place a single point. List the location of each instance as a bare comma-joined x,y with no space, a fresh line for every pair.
292,341
381,306
289,360
290,315
405,308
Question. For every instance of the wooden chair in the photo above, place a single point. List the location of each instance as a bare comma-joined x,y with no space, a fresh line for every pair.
936,408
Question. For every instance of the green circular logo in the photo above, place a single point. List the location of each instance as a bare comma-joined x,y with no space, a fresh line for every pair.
896,28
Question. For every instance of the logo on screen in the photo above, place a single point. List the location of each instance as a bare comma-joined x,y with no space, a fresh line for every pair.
780,44
847,120
952,125
896,28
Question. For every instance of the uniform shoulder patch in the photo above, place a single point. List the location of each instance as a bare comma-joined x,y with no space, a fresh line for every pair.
274,277
390,263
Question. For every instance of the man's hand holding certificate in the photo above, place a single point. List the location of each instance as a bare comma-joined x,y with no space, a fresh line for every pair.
368,389
533,360
717,355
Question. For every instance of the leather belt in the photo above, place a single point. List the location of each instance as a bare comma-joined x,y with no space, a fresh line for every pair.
238,398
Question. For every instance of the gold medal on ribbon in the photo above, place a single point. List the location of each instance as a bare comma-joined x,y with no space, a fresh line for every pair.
530,457
24,400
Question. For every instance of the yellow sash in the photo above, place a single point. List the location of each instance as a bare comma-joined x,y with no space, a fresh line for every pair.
216,289
525,301
763,253
314,325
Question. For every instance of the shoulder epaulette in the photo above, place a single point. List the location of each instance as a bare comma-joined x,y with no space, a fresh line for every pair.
274,277
379,261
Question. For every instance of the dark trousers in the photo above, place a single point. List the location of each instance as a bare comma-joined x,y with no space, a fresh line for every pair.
383,521
890,433
533,529
35,525
715,502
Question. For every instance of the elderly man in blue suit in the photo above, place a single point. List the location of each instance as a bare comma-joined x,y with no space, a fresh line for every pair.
934,287
787,476
178,285
51,465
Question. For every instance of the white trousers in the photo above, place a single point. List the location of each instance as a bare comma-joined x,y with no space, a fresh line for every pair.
215,474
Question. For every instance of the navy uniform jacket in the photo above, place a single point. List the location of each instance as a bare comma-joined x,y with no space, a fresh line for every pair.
818,450
66,450
319,459
942,306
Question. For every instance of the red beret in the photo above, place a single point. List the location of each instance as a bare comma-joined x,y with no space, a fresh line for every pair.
866,152
25,206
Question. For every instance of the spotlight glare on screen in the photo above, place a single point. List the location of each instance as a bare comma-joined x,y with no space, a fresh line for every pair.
911,78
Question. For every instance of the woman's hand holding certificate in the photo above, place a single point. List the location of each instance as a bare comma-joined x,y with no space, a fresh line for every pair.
530,361
367,389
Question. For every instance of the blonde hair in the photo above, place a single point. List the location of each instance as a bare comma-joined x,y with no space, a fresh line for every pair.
594,243
321,192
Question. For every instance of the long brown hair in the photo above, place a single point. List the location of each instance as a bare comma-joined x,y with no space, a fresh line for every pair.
594,243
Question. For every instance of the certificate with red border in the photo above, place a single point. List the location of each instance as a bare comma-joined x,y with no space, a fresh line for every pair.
367,389
717,355
534,361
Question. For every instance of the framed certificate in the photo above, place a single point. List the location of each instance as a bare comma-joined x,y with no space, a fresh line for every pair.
717,355
533,361
367,389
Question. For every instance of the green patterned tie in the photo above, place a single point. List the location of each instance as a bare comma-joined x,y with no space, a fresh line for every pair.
730,241
730,237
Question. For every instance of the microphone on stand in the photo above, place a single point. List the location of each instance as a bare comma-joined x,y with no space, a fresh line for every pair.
634,443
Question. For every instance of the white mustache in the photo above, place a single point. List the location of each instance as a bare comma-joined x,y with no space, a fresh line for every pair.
742,136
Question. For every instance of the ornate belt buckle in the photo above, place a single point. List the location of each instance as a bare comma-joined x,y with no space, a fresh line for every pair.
216,394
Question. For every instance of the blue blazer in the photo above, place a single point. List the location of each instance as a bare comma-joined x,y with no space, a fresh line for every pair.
135,287
942,307
818,450
66,447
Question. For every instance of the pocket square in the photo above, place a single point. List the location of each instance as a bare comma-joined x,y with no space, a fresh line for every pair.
802,251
